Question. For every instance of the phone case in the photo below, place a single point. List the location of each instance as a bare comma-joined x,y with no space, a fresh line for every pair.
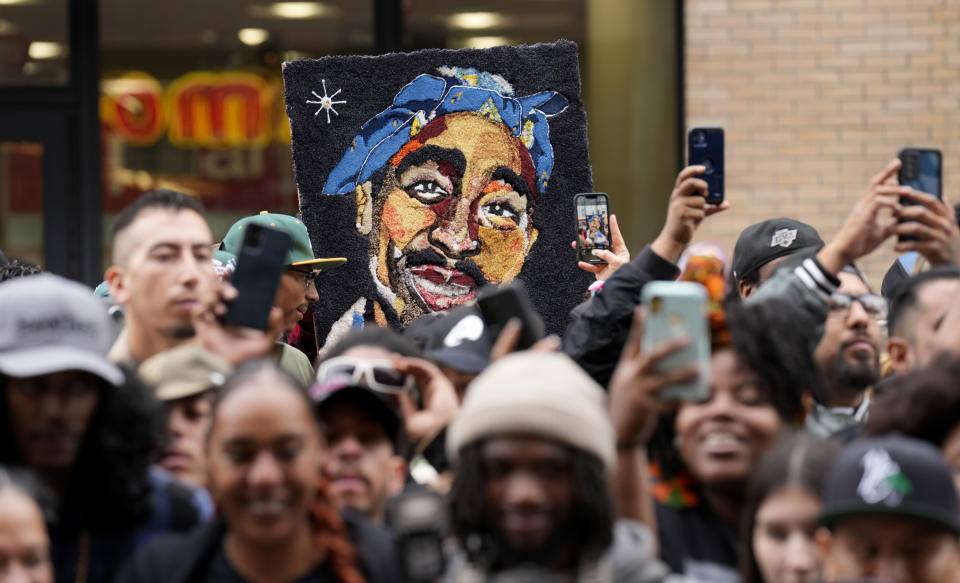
498,305
920,169
592,215
705,147
674,310
259,267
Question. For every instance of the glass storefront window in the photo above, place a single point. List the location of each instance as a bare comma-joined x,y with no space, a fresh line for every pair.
192,100
34,44
21,200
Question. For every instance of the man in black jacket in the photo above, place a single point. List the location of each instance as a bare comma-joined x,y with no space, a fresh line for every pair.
600,328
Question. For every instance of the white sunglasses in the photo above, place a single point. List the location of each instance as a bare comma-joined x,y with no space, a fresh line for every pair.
378,375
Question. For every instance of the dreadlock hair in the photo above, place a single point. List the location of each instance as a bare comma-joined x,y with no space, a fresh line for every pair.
16,267
110,482
799,460
591,520
768,339
330,532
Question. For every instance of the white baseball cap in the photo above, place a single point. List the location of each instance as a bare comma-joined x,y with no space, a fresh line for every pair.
49,324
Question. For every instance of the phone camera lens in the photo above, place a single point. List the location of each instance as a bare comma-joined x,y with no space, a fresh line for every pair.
699,139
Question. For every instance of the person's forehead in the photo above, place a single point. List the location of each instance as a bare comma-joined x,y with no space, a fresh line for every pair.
525,447
262,410
935,295
368,352
158,225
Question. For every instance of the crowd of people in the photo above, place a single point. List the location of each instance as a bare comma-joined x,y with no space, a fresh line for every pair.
144,439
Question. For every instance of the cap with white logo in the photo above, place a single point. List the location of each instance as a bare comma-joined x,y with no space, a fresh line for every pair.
891,476
49,324
762,242
460,340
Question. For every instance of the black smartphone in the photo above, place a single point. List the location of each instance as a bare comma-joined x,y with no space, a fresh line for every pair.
705,147
260,265
920,169
593,225
498,305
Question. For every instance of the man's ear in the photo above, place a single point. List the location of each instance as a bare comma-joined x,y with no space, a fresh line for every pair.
398,475
364,194
118,291
745,289
901,354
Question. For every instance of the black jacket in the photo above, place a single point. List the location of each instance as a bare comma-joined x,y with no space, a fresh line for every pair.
185,558
601,325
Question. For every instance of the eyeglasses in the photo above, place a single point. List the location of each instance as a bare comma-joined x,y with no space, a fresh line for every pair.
378,375
309,277
875,306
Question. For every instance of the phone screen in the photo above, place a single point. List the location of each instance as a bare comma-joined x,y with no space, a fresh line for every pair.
593,226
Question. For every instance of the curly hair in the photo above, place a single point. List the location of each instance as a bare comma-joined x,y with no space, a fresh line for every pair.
592,513
330,532
110,484
15,267
800,460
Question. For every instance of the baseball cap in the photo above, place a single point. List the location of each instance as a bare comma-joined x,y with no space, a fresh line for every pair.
300,253
762,242
328,393
49,324
891,475
184,371
460,340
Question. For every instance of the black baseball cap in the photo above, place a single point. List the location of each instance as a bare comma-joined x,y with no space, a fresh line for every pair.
891,475
460,340
384,410
762,242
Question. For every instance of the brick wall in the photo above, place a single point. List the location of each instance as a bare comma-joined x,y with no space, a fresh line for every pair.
816,96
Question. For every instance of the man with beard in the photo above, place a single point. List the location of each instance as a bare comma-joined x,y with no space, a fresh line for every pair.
446,180
533,448
848,356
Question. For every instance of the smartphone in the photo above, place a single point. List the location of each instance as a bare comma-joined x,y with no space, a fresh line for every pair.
920,169
705,147
676,309
498,305
260,265
593,225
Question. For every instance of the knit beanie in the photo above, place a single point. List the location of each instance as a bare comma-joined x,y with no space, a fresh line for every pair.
539,394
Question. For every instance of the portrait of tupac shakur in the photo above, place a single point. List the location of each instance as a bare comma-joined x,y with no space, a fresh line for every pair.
437,173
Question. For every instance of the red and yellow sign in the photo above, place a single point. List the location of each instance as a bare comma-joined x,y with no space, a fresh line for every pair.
198,110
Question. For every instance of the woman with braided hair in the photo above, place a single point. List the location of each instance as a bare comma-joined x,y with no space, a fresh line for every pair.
276,523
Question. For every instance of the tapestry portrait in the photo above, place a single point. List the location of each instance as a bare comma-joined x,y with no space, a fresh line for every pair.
436,173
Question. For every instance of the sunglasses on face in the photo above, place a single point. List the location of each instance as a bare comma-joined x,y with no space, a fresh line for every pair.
875,306
378,375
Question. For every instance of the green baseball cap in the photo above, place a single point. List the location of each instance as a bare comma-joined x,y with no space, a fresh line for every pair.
300,253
